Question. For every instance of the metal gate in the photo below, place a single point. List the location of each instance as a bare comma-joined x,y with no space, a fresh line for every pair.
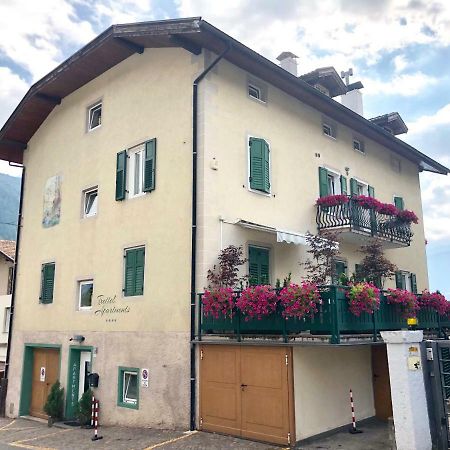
436,360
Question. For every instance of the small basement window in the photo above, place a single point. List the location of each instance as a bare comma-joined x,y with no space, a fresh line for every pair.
358,145
90,202
257,90
128,388
85,290
95,116
329,129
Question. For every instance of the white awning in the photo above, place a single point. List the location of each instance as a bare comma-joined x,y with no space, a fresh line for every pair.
289,237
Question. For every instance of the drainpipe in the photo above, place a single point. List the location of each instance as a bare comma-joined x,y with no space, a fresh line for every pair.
194,224
13,294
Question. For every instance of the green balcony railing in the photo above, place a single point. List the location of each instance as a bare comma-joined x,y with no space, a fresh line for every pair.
332,319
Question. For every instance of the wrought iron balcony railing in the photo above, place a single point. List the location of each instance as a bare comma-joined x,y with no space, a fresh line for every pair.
333,320
352,217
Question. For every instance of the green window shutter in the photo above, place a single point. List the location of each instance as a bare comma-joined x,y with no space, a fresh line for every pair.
399,203
413,283
371,192
259,165
149,169
47,283
353,187
343,185
323,182
399,280
259,269
121,175
134,271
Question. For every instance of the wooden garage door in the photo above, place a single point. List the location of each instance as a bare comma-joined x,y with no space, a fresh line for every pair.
247,392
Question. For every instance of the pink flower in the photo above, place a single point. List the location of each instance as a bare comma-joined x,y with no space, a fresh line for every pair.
257,302
405,300
332,200
388,209
363,297
368,202
434,300
219,303
300,301
407,216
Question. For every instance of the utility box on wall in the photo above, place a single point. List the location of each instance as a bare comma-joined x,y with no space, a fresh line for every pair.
93,380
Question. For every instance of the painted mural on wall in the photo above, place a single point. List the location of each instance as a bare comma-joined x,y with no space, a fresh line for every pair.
52,201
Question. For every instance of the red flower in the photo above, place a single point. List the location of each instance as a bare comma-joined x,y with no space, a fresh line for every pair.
407,216
367,202
434,300
219,303
363,297
257,301
388,209
300,301
406,301
332,200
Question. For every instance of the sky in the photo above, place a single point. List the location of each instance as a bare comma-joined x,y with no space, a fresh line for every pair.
399,49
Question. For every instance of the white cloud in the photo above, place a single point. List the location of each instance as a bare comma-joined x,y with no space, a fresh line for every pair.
400,63
429,122
12,89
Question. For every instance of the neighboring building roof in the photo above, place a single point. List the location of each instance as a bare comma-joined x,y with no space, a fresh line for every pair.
391,121
8,249
119,42
327,77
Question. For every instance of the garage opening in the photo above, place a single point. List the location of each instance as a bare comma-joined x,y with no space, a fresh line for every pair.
247,391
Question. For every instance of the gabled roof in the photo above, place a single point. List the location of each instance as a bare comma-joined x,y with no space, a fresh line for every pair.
119,42
8,249
391,121
327,77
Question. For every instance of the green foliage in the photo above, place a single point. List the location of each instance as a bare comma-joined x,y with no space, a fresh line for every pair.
9,205
55,401
83,408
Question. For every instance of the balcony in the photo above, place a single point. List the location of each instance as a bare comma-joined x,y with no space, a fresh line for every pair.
356,220
333,323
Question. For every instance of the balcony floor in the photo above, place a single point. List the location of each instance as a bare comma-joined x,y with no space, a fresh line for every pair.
358,238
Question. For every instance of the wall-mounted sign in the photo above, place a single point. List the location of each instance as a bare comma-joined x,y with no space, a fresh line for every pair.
414,363
42,374
108,309
144,377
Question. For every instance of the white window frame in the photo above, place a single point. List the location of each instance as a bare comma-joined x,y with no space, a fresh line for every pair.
252,87
326,124
90,116
337,180
80,284
7,319
86,193
131,170
361,148
259,87
129,401
255,191
364,185
407,278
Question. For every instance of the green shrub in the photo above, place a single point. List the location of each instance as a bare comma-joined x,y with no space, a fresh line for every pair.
55,401
83,408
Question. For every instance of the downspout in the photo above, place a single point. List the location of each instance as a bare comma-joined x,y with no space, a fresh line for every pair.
194,224
13,294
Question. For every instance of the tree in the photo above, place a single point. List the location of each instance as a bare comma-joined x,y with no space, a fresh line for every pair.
55,401
323,249
226,275
375,267
83,408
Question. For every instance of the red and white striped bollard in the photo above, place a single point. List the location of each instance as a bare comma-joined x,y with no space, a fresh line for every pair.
353,429
95,409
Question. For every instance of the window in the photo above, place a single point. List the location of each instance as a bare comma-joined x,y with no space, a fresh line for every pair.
90,199
85,290
399,203
128,388
7,320
406,280
259,165
340,269
47,282
358,187
257,90
331,183
10,280
258,265
135,170
329,129
358,145
134,271
94,116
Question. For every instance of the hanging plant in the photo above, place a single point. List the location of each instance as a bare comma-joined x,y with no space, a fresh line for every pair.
367,202
407,216
300,300
332,200
405,300
433,300
219,302
257,302
388,209
363,297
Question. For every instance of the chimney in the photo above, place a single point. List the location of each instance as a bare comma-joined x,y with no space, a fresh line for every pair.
288,62
353,98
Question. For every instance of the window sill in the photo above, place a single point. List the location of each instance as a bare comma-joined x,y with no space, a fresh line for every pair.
329,137
93,129
93,216
255,191
257,100
128,405
360,152
131,197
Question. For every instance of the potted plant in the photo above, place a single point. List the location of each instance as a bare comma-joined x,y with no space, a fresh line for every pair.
83,408
363,297
219,302
405,300
433,300
55,402
332,200
407,216
256,302
299,301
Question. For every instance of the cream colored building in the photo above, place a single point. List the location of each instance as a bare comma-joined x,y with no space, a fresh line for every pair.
115,243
